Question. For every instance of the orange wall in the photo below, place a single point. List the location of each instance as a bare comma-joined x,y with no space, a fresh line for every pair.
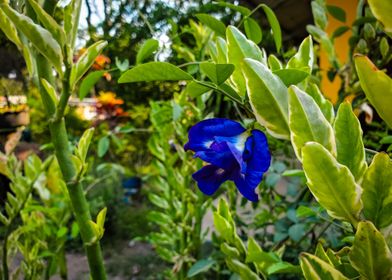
331,89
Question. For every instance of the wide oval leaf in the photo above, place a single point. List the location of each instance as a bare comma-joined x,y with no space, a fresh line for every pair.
331,183
377,191
349,144
377,86
154,71
370,254
382,10
307,122
216,25
268,98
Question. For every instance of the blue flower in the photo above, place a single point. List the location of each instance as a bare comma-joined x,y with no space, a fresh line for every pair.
233,153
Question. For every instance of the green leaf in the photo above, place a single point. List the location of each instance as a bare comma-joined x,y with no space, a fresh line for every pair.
325,105
221,47
242,269
283,267
349,145
84,143
296,232
158,201
216,25
377,191
322,37
101,220
9,29
253,30
268,97
331,183
103,146
377,86
48,22
223,227
274,63
217,73
49,96
71,21
89,82
241,9
340,31
370,254
319,14
238,48
229,251
307,122
291,76
273,21
146,50
304,58
38,36
85,61
384,47
200,266
382,10
154,71
62,232
195,89
315,268
122,65
337,12
303,211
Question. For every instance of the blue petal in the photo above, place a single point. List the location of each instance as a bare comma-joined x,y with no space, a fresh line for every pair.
219,155
209,178
203,134
257,158
247,191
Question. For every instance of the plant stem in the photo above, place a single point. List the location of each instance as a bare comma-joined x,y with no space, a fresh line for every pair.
63,153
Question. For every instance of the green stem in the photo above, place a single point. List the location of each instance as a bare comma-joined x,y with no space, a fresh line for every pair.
63,153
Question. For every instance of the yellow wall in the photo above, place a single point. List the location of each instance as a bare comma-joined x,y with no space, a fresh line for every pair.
331,89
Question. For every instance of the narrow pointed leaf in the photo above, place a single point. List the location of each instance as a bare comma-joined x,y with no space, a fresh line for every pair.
49,23
84,143
85,61
273,21
38,36
154,71
307,122
315,268
71,21
331,183
238,48
377,86
324,104
268,98
370,254
88,83
349,144
377,191
9,29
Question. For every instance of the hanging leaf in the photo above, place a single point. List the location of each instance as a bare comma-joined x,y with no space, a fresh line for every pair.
154,71
370,254
307,122
377,191
103,146
331,183
268,98
216,25
89,82
146,50
377,86
9,29
273,21
253,30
